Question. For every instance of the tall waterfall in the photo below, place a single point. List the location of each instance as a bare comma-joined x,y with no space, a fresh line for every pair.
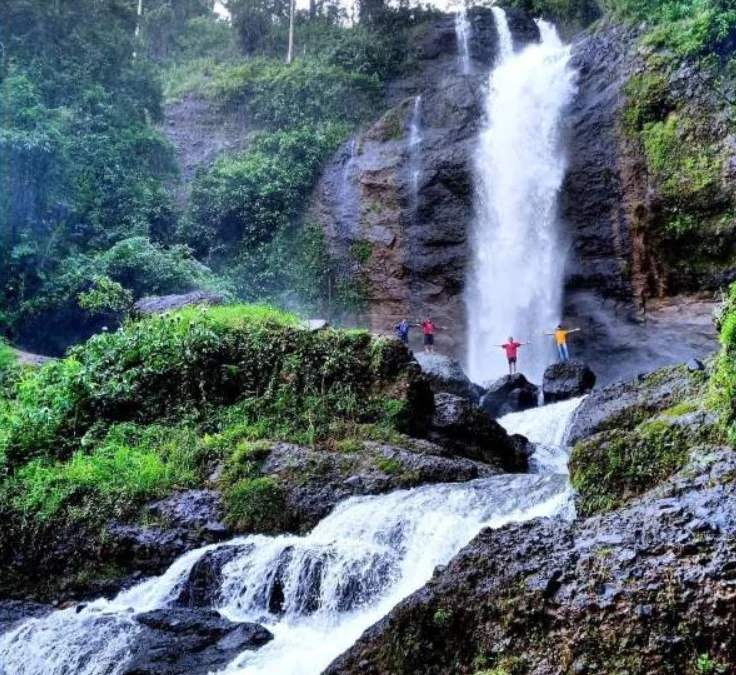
356,565
515,284
462,32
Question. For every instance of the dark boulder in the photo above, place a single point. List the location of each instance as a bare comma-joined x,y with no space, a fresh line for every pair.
195,510
510,394
314,482
626,404
205,578
469,432
189,641
168,303
186,520
567,380
446,375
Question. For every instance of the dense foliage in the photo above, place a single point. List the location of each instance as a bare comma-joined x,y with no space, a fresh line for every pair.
86,175
133,413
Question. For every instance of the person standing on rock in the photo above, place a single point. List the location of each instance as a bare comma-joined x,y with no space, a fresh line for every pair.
512,351
402,331
428,328
561,334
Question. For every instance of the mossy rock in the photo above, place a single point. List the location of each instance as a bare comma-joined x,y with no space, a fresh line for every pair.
615,466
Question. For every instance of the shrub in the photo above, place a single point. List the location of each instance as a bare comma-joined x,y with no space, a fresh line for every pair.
256,504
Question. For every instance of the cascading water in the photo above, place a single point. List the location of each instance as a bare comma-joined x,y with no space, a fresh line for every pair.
462,32
415,150
515,285
335,582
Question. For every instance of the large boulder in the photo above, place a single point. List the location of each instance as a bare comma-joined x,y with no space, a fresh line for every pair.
626,404
185,520
510,394
189,641
313,482
446,375
469,432
567,380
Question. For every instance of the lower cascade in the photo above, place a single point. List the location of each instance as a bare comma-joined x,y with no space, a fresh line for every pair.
332,584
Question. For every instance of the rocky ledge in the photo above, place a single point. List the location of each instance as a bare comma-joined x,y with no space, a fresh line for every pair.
645,589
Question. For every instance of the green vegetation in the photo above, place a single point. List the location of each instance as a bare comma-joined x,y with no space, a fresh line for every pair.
86,174
614,466
723,381
135,413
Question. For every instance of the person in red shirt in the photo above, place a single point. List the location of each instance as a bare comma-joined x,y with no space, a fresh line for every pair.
428,328
512,351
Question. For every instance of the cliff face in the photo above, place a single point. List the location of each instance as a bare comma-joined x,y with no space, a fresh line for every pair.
396,201
648,200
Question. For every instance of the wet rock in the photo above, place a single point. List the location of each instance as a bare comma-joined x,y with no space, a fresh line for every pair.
205,578
511,393
470,432
191,642
193,509
314,481
607,606
445,375
567,380
168,303
695,365
627,403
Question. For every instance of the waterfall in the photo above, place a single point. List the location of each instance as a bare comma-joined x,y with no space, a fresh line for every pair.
415,150
335,582
462,31
516,279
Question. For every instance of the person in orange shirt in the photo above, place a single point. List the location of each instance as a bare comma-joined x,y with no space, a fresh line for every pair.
561,334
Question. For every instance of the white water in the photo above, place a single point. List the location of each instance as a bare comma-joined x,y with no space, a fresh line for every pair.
356,565
515,286
415,149
547,428
462,31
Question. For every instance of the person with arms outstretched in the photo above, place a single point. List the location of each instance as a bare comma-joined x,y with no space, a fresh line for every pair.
512,351
561,334
402,331
428,328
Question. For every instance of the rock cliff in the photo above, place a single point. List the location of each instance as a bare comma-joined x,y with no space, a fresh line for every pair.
396,201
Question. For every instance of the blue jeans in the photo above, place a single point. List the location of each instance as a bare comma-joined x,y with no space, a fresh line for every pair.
564,353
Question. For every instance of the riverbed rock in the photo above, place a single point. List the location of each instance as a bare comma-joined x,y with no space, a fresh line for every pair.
509,394
314,482
189,642
649,586
567,380
470,432
169,303
446,375
626,404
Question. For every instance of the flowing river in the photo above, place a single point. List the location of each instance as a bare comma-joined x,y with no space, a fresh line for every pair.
357,564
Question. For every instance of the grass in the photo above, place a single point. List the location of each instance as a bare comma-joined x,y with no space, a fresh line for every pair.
132,415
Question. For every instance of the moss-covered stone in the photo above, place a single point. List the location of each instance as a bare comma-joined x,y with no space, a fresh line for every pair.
615,466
